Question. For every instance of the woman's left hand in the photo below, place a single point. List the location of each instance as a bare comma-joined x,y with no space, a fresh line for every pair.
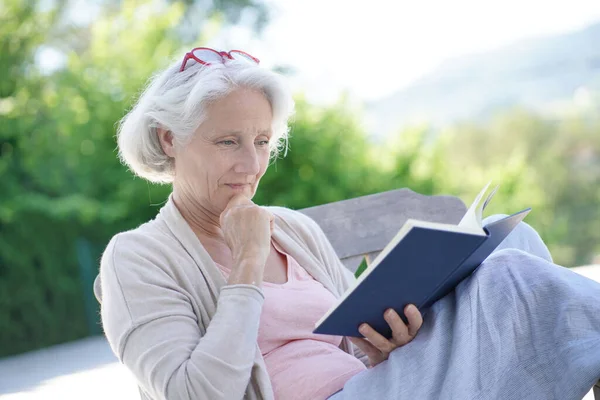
377,347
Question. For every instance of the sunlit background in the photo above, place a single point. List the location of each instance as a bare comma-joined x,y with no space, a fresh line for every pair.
438,96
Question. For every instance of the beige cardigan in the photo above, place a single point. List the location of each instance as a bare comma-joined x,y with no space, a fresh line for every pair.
171,318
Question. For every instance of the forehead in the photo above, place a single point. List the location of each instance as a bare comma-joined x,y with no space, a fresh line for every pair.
241,103
242,110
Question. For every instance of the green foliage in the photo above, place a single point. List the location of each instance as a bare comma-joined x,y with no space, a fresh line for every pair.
329,159
361,268
551,166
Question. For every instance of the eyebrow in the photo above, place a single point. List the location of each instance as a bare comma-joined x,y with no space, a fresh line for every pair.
218,133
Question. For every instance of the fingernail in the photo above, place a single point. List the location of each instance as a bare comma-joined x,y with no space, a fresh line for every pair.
389,312
362,328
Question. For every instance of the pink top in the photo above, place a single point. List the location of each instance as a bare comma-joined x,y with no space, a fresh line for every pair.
301,365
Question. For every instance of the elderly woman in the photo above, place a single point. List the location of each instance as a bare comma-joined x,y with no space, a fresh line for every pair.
216,297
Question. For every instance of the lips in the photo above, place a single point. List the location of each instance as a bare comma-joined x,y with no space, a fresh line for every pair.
237,185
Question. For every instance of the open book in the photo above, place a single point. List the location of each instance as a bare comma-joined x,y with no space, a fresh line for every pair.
420,265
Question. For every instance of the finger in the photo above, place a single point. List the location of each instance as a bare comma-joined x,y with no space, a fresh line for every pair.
376,338
237,200
366,347
415,319
399,328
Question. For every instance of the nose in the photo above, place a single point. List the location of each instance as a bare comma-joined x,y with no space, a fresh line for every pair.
248,161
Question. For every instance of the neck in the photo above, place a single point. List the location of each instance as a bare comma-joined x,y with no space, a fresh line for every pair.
204,222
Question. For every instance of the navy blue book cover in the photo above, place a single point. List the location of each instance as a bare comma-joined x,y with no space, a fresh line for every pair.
426,264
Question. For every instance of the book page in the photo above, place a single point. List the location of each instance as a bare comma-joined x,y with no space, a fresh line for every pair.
474,215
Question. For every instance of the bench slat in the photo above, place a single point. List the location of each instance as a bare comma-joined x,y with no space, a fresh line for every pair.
364,225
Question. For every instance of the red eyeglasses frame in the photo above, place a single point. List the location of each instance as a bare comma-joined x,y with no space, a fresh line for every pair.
224,54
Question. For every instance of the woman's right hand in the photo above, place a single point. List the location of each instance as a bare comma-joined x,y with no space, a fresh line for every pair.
247,231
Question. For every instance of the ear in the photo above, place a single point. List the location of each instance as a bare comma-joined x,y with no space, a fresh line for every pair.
167,143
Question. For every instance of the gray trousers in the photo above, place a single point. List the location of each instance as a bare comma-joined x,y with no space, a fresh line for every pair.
520,327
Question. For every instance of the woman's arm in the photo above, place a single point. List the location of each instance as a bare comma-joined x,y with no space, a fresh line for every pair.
150,323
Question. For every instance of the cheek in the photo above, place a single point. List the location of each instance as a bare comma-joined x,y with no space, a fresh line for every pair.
201,171
184,166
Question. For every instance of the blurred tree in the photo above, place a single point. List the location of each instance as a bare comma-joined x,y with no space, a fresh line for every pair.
551,166
26,298
330,158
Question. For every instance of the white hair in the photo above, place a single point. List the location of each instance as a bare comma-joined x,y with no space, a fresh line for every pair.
177,101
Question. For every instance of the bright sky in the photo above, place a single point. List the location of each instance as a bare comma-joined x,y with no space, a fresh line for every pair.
375,47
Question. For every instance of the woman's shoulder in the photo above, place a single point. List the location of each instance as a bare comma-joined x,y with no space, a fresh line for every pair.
149,235
136,255
146,246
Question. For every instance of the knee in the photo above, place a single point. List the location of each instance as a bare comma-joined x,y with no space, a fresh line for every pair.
504,266
511,262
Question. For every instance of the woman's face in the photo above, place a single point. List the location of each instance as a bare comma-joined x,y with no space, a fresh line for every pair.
229,152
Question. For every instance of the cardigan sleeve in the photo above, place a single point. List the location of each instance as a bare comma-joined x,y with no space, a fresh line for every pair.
151,326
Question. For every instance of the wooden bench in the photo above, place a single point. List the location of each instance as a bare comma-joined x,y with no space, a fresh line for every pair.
364,225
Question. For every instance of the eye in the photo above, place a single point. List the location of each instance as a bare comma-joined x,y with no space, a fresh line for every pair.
263,142
227,142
